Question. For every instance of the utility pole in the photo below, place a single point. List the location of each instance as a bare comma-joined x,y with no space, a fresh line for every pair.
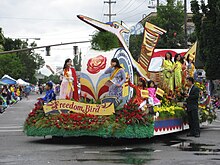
109,9
158,3
185,22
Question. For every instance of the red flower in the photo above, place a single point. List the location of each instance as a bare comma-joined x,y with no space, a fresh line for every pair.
96,64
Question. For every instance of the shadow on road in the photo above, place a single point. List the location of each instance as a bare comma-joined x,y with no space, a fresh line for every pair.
169,139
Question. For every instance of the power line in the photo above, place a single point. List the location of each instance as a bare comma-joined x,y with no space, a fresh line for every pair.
133,15
135,7
132,11
123,8
109,10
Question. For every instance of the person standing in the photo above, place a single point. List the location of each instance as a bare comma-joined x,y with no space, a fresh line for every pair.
178,71
190,66
184,70
192,108
117,77
27,91
152,100
68,88
168,68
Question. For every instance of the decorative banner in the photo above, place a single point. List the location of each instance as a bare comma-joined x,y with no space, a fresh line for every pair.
159,92
192,52
144,93
151,37
68,106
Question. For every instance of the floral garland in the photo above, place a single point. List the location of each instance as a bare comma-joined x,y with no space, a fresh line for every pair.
122,121
165,112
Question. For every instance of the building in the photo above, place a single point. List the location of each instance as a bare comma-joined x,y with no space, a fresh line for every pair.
39,76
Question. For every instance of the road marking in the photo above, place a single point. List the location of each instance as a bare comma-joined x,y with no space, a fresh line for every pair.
217,129
10,127
91,152
15,130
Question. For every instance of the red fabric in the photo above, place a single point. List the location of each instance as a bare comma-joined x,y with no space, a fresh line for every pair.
75,80
138,99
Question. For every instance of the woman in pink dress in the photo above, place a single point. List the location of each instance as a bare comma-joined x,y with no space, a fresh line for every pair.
153,100
68,88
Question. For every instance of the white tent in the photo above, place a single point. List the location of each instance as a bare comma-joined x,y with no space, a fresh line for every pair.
22,82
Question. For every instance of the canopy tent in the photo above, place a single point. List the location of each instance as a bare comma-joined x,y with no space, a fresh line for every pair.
22,82
2,83
8,80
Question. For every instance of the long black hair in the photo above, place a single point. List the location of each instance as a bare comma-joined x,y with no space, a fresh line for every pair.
170,56
187,59
67,60
151,81
117,62
176,56
142,79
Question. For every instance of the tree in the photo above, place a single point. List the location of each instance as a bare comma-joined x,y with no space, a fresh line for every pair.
170,17
207,22
104,41
29,60
54,78
135,45
12,65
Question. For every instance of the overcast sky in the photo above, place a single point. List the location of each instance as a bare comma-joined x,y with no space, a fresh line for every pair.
55,21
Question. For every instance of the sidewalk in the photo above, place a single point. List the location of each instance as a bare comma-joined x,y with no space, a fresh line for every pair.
16,114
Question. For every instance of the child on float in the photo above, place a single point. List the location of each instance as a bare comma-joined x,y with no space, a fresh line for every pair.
152,100
50,95
139,100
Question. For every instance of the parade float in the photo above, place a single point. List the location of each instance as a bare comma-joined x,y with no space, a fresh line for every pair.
96,113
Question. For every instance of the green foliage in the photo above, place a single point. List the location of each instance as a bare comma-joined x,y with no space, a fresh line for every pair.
171,18
21,64
104,41
135,45
207,22
54,78
12,65
77,124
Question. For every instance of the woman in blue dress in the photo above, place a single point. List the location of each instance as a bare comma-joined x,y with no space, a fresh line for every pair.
117,78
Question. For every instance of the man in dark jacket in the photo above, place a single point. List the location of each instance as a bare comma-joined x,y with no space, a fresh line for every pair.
192,108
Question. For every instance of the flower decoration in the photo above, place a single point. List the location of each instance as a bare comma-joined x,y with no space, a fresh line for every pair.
96,64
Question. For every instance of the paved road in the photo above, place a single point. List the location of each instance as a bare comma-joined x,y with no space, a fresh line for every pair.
16,148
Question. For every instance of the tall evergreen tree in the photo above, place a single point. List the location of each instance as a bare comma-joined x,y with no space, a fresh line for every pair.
207,22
